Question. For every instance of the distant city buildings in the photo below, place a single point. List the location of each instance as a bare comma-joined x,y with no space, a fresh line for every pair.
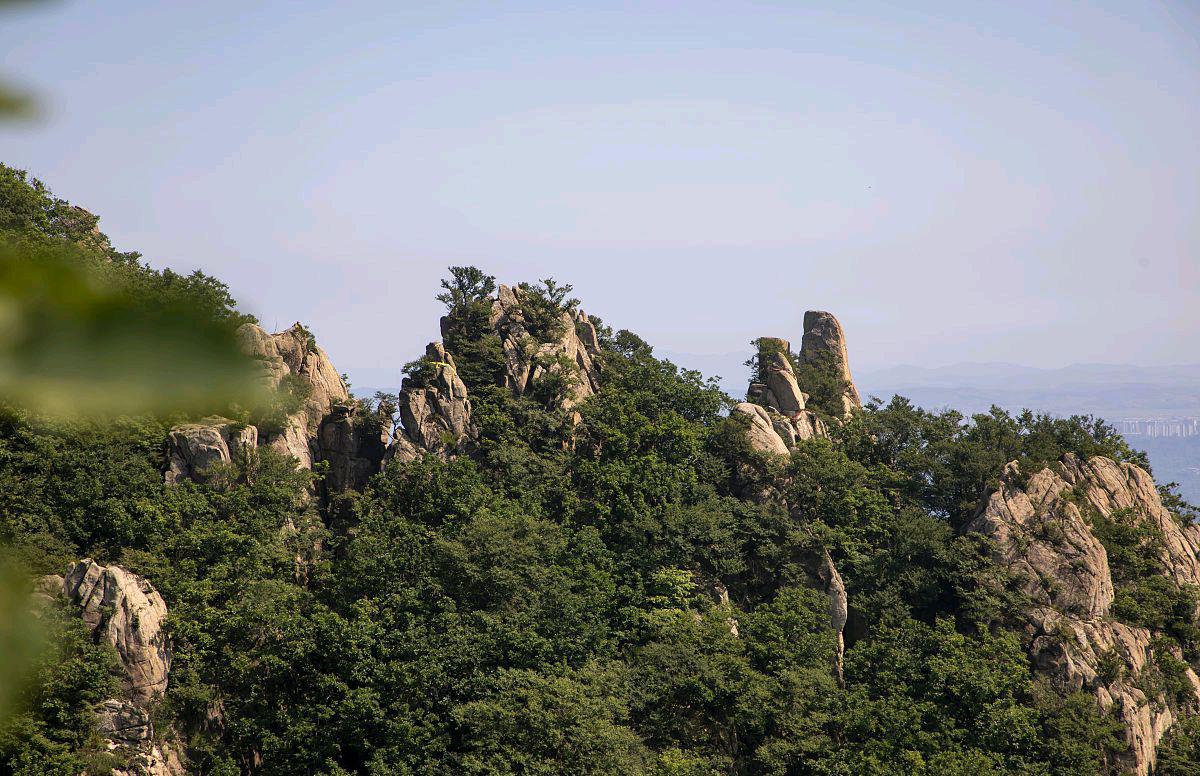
1159,427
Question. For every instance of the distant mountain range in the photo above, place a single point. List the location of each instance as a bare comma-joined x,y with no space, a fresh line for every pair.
1112,391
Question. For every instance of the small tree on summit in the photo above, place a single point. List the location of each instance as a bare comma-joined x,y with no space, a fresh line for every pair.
465,286
466,331
543,305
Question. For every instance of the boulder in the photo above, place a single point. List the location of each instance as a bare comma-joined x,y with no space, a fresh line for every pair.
783,393
760,431
46,590
128,612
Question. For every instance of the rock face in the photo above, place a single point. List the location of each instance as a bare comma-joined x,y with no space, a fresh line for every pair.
128,612
435,410
780,396
122,721
761,433
194,447
783,392
830,582
294,355
824,345
528,360
1041,533
354,449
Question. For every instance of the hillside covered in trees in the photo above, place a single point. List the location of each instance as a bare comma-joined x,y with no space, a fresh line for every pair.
550,552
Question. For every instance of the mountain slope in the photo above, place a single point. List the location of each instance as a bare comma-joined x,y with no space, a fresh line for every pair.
549,551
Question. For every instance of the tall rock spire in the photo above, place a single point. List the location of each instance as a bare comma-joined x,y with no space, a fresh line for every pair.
824,346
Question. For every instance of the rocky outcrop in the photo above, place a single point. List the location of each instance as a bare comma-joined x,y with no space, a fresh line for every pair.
829,581
782,391
1041,533
294,355
153,759
193,448
128,612
780,396
129,729
435,411
121,721
295,351
528,360
291,362
434,408
824,346
760,431
1041,537
1109,487
354,446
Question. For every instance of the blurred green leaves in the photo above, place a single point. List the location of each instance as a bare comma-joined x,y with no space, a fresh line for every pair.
21,640
73,343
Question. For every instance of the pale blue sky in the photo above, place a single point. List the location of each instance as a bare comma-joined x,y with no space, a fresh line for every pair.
1016,181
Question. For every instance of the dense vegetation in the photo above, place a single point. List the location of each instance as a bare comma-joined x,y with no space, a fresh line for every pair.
561,600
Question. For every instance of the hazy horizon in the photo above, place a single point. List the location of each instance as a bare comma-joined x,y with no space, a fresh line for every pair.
1010,183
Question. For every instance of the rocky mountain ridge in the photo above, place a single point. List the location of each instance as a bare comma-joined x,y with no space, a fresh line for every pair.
1039,527
434,409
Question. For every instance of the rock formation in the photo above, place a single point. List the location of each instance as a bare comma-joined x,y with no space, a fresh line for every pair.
1042,535
128,612
194,447
830,583
353,445
780,395
434,409
528,360
435,412
294,354
760,431
824,346
321,429
125,610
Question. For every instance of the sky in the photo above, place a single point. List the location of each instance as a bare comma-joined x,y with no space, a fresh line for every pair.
957,182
